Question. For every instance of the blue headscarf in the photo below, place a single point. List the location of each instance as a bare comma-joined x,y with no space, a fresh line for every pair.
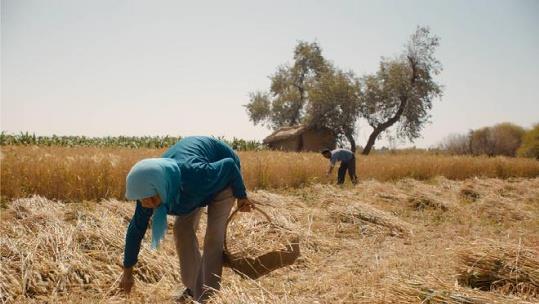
154,176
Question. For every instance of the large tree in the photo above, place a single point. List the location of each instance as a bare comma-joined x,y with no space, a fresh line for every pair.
310,92
315,93
334,104
286,101
402,90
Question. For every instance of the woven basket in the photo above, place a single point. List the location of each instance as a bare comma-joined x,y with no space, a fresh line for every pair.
265,263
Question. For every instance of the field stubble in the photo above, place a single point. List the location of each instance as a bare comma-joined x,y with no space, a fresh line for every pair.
378,242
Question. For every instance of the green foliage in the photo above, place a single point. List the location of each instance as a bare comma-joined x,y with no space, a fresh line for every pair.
401,92
310,92
530,143
334,103
286,103
315,93
83,141
151,142
259,108
239,144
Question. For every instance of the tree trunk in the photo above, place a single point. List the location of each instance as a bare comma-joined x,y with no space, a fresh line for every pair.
404,100
370,142
352,142
380,128
296,120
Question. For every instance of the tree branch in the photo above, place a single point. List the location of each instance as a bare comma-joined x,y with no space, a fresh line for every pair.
380,128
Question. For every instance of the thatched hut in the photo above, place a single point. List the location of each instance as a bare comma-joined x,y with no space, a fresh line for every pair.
301,138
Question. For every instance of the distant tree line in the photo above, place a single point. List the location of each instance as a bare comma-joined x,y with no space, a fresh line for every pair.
502,139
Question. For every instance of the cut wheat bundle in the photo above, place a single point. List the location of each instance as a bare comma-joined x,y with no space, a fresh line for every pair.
255,246
45,256
505,268
422,202
362,212
433,291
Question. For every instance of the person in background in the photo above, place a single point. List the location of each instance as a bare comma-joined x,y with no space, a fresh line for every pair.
348,163
194,173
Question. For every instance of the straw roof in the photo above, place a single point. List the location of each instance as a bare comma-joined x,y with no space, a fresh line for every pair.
284,133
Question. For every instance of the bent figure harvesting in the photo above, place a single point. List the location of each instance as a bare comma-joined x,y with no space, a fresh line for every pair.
348,163
196,172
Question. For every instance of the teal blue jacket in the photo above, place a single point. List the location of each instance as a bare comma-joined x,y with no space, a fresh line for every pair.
207,167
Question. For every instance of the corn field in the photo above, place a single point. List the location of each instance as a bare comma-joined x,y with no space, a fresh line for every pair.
133,142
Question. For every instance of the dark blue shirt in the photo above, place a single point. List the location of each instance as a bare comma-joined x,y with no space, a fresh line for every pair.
207,167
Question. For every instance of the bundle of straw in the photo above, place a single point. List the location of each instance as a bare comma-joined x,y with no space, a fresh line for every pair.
506,268
263,247
431,291
251,235
51,249
422,201
355,213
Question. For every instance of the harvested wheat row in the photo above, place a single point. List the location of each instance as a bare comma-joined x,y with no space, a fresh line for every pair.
51,249
83,242
505,268
357,212
422,201
432,291
469,193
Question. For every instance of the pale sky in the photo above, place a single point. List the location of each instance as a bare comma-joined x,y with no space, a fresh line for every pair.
115,67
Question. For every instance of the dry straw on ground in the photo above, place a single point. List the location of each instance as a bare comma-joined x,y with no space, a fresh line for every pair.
423,201
356,213
432,291
61,252
256,246
506,268
252,234
51,250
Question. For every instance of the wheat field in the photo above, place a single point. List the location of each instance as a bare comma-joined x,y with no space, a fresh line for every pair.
88,173
416,229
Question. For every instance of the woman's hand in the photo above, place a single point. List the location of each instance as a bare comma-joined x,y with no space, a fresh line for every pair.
127,281
245,205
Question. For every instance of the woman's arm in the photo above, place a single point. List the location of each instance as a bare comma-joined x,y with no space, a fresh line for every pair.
135,233
133,238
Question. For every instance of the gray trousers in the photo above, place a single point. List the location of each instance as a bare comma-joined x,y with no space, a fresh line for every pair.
202,273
